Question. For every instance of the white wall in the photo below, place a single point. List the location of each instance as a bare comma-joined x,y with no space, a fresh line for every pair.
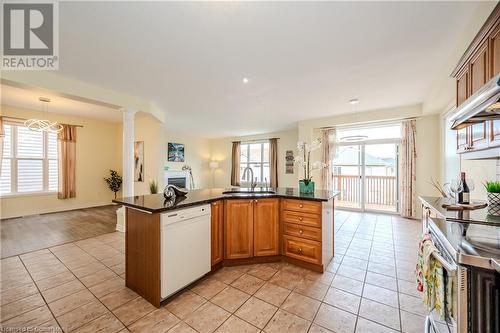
221,152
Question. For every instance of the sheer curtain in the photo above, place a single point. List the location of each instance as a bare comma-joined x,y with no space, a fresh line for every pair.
235,163
408,156
328,144
273,162
66,140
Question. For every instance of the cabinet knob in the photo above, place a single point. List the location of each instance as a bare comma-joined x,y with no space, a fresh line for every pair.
300,218
255,201
214,203
301,231
301,206
300,250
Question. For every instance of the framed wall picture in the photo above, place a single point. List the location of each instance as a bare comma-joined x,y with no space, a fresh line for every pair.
139,161
175,152
289,160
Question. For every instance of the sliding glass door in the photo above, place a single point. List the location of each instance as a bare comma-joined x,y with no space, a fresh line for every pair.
366,174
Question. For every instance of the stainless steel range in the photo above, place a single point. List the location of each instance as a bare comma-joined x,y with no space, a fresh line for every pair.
470,253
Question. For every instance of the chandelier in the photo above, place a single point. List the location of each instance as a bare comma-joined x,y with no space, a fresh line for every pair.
43,125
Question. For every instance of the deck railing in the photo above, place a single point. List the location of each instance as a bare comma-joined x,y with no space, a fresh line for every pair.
379,190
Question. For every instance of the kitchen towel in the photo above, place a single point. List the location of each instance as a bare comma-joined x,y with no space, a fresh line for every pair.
432,280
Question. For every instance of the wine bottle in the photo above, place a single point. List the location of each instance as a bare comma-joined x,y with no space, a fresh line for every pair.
463,197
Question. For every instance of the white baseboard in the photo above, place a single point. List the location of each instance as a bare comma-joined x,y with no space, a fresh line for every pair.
59,210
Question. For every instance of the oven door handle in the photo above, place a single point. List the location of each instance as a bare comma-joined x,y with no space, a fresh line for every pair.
495,265
451,268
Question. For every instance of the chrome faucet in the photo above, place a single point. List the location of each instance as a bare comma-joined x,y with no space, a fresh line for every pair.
253,182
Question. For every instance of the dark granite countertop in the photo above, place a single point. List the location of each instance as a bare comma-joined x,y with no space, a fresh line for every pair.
156,203
479,216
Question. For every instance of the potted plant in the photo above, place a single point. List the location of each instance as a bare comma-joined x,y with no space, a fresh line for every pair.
306,185
114,181
493,189
153,186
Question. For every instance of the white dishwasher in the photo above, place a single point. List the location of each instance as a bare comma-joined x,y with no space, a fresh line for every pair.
185,247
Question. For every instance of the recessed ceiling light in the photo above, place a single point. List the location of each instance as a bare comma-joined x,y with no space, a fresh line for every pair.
246,80
354,101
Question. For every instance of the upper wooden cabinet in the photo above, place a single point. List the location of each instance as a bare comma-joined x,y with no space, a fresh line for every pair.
495,133
217,237
238,228
479,68
463,85
266,227
479,64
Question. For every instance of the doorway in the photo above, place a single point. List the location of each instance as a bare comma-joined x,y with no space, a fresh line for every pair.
366,175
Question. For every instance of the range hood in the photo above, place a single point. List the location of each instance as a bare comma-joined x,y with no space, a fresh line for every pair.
483,105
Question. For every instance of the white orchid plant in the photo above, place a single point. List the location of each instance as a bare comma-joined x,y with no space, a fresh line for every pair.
304,158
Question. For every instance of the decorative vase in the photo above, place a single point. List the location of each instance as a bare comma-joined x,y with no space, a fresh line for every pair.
306,186
494,204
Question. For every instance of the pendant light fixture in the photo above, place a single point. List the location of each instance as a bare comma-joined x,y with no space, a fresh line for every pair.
43,125
358,137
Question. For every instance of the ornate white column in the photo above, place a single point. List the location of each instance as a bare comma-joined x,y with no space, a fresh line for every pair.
128,164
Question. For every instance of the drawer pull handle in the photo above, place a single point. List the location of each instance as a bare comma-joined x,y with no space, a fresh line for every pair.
301,206
301,231
300,218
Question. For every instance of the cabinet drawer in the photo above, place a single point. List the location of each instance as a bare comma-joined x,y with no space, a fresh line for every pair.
312,220
302,249
302,206
302,231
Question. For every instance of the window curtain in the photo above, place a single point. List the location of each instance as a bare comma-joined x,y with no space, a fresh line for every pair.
408,157
66,162
273,162
2,135
328,144
235,164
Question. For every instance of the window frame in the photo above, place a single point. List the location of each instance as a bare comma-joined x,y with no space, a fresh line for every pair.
261,163
14,158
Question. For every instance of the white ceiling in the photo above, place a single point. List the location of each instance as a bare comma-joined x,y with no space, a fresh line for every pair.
28,99
304,59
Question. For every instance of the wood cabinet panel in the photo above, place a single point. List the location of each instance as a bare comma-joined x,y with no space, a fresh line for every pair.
301,206
302,249
495,133
479,135
266,227
142,254
479,68
238,229
217,229
462,139
495,50
302,231
462,84
312,220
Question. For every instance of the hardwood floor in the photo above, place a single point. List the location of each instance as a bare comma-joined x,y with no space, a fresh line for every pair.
30,233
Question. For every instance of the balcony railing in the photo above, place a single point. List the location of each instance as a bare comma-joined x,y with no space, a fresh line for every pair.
379,190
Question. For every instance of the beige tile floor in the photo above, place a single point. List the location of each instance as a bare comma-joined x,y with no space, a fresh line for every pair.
79,287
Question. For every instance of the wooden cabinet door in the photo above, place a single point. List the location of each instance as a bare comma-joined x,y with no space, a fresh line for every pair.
217,245
495,51
238,229
266,227
495,133
479,68
462,140
462,86
479,136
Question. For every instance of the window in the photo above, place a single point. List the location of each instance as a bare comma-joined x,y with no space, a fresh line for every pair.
29,163
256,156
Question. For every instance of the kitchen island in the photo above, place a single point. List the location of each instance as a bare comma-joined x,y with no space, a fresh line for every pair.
243,227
